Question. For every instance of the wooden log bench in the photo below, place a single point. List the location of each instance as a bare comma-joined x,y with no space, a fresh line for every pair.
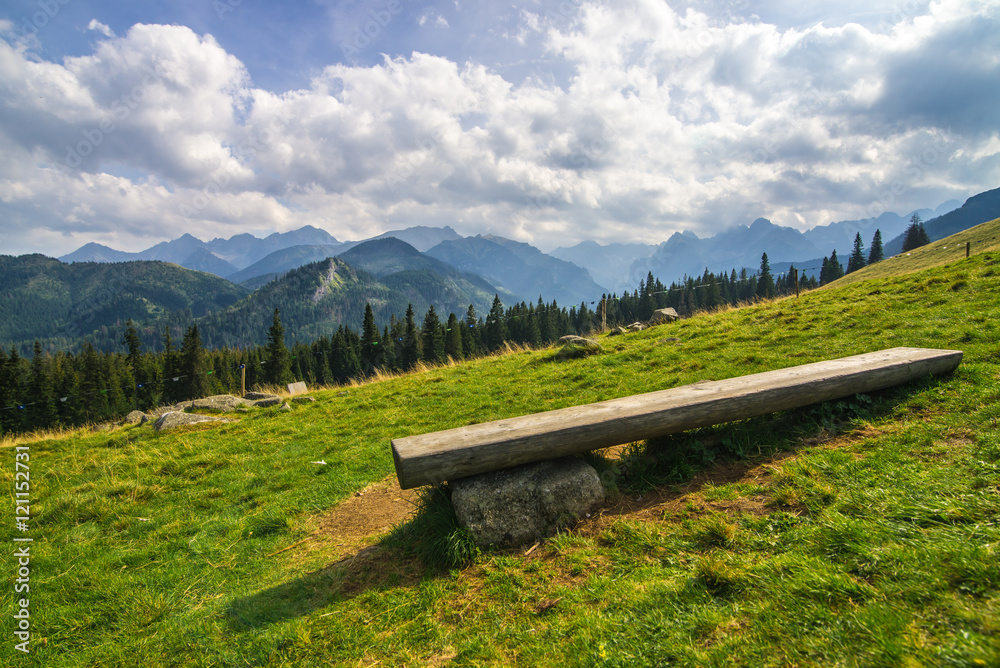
465,451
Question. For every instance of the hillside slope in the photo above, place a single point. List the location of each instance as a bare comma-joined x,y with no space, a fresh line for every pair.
43,298
977,209
858,532
317,298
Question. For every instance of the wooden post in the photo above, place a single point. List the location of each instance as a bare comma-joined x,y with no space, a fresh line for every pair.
795,275
968,247
243,380
427,459
604,314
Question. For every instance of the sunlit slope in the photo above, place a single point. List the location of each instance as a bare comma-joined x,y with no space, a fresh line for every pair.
876,547
982,238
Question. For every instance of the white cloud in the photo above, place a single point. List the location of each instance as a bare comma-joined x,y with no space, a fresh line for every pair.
672,119
101,28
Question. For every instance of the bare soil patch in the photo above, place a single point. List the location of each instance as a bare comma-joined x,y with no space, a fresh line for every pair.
360,519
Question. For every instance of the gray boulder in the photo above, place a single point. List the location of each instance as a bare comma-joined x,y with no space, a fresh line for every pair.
267,401
222,403
177,419
257,396
577,346
636,327
663,315
521,504
136,417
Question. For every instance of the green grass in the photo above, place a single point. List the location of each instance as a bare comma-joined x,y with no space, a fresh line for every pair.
868,536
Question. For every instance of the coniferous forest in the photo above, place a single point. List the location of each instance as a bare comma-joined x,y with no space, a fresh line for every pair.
66,388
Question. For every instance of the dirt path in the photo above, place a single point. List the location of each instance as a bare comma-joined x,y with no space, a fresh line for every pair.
361,519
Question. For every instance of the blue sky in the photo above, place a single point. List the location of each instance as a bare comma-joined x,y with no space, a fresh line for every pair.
130,123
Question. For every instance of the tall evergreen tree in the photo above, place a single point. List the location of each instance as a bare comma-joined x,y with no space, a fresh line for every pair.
94,385
42,395
430,333
857,259
496,326
834,269
765,281
170,390
412,348
470,332
371,345
453,338
876,253
278,370
194,364
134,356
915,236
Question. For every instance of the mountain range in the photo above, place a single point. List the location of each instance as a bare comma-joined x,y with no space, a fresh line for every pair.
231,286
522,272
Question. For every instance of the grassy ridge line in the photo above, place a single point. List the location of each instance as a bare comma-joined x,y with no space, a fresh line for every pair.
984,238
147,543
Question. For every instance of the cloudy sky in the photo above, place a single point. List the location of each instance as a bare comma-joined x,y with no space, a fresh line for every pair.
551,122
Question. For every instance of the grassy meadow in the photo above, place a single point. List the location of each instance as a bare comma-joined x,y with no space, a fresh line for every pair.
864,532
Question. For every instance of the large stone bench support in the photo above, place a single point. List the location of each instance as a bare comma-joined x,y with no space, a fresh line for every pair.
458,453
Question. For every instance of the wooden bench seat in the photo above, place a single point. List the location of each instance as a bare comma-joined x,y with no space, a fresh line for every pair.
458,453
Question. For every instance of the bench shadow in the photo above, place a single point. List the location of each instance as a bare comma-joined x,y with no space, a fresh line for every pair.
376,567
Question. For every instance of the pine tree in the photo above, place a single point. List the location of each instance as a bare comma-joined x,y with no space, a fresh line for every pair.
412,348
916,236
278,370
834,269
388,360
371,345
42,394
453,339
432,339
857,259
170,390
765,281
134,356
876,253
194,364
496,326
470,332
94,385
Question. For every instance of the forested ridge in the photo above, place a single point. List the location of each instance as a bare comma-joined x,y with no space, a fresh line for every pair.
66,388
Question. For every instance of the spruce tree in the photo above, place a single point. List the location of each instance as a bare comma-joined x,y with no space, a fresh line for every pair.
43,412
834,269
496,326
170,390
412,348
876,253
916,236
432,339
857,259
765,281
371,345
470,332
453,339
134,356
194,364
278,369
